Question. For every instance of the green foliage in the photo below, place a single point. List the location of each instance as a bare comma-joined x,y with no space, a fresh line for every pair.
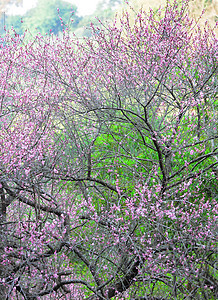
15,22
125,147
44,17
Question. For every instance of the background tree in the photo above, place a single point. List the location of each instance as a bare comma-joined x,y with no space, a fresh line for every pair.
45,18
13,21
108,165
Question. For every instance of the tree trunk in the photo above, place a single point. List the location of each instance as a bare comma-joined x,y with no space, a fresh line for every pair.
3,242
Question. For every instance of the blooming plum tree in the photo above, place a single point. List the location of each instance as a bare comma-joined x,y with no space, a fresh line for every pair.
108,171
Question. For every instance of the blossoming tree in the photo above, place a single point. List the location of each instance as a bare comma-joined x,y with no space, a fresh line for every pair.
108,171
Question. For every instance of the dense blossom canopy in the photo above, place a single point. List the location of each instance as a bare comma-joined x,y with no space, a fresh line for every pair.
109,154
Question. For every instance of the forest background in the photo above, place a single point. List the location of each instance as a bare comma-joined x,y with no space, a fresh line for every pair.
44,16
